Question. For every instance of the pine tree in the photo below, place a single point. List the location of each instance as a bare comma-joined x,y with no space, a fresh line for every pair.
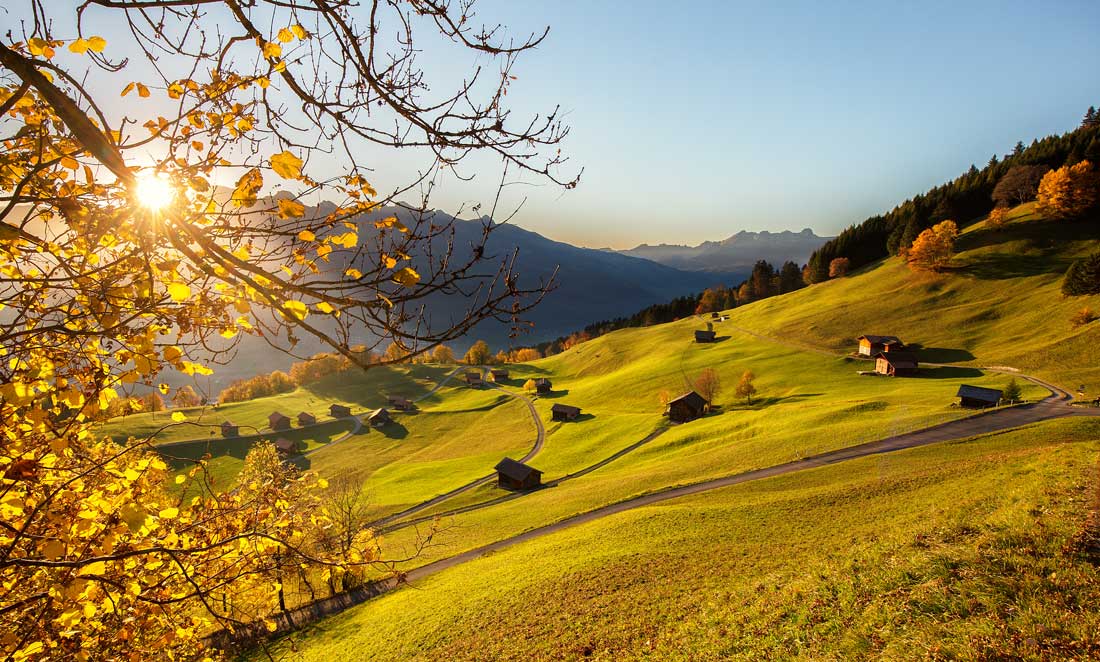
1091,117
1083,277
1019,149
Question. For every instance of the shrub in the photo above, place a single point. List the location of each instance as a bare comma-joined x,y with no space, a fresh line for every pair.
1083,277
838,268
998,217
1084,316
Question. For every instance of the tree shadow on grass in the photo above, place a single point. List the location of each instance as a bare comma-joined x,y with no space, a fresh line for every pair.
764,402
941,354
579,419
1001,266
554,394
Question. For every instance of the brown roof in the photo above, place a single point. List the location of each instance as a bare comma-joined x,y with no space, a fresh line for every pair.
899,359
515,470
691,399
285,445
881,340
277,417
568,410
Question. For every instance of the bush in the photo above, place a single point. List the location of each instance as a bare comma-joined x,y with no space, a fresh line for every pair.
1084,316
998,217
1083,277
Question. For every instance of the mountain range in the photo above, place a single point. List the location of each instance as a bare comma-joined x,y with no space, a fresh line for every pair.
735,254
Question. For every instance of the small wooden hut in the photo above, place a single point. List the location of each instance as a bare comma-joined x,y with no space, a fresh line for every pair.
560,412
517,476
305,418
339,411
873,345
379,417
543,386
687,407
230,430
977,397
474,379
285,446
278,421
896,364
705,336
499,375
400,403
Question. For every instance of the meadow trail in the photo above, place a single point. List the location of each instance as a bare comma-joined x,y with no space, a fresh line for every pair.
540,439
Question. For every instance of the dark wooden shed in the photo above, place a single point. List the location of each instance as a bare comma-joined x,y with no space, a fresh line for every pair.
278,421
499,374
379,417
687,407
474,379
715,315
286,446
339,411
306,418
543,386
896,363
400,403
705,336
512,475
873,345
978,397
230,430
560,412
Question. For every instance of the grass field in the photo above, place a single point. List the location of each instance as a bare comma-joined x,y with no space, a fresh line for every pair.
954,550
1000,304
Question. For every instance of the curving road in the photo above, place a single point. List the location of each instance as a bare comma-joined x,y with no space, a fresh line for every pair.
540,438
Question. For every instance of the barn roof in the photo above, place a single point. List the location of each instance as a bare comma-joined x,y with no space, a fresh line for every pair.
515,470
569,410
499,371
276,417
899,359
539,381
306,415
378,413
227,424
285,445
979,393
881,340
691,399
338,407
707,335
398,400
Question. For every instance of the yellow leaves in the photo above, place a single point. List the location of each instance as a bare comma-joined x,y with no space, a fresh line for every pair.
306,235
163,388
325,307
294,310
228,333
179,291
143,91
407,277
353,273
322,483
31,651
97,44
285,35
180,479
299,31
272,50
391,222
40,48
286,165
82,46
292,209
178,416
347,240
97,568
388,261
189,368
263,82
79,46
172,353
247,189
175,91
169,513
54,549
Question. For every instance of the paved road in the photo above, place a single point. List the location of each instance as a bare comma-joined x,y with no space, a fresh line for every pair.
540,438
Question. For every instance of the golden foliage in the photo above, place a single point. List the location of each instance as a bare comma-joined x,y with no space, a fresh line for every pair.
1068,191
933,248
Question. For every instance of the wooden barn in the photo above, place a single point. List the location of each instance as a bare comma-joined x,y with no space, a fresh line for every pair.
896,364
977,397
705,336
278,421
379,417
400,403
474,379
560,412
715,316
874,345
230,430
306,418
285,446
339,411
499,375
687,407
543,386
517,476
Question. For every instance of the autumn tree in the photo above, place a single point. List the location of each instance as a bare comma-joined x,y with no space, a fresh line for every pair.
933,248
708,384
745,388
710,302
395,353
153,402
997,217
478,354
1069,191
122,257
529,385
185,396
443,354
1019,185
525,355
838,267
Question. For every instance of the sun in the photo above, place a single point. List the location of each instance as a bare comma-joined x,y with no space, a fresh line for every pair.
154,192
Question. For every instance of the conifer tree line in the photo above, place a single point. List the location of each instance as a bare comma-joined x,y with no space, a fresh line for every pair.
1005,181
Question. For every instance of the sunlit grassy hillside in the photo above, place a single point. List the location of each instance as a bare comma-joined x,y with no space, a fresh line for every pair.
1000,304
960,549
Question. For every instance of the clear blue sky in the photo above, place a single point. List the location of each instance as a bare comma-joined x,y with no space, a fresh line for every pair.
695,120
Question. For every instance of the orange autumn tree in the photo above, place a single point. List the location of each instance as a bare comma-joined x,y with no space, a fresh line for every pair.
933,248
122,255
1069,191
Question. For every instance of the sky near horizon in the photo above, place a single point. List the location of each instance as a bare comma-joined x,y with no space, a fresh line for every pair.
696,122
